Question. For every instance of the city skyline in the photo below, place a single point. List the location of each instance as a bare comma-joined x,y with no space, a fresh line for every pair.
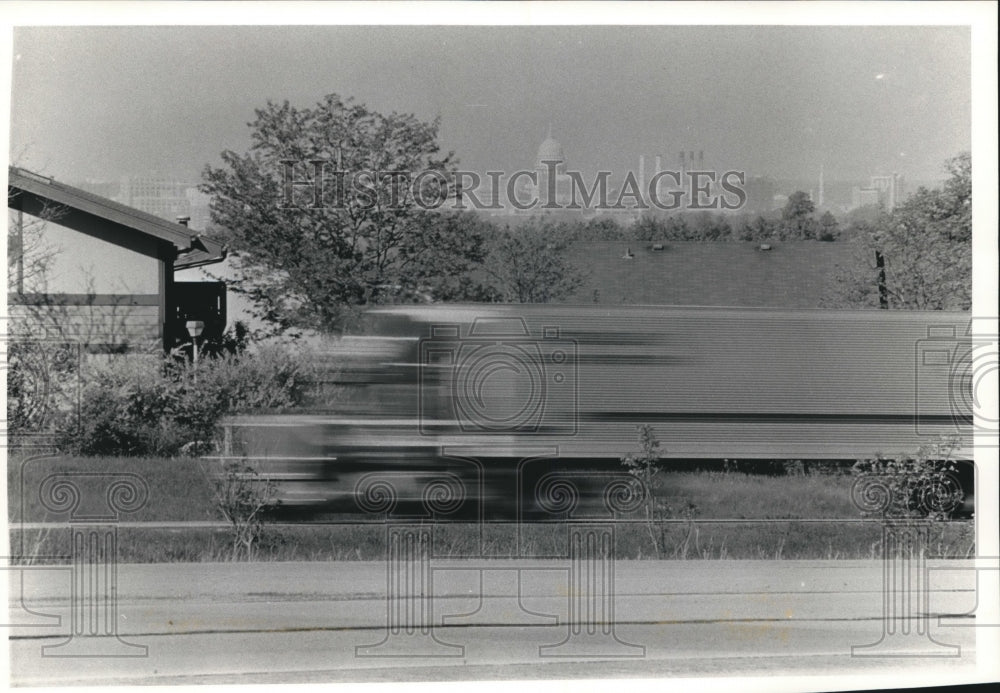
776,101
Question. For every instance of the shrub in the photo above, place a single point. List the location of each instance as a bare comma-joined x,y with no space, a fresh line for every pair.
270,378
922,485
41,381
148,406
134,407
241,496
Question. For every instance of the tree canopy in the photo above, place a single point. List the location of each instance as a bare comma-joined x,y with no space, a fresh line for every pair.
308,259
926,249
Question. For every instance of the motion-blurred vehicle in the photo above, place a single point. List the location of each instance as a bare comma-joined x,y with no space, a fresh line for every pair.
495,398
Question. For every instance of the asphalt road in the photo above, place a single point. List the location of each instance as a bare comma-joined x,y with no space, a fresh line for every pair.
481,620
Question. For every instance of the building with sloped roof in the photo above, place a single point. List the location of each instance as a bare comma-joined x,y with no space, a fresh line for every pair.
125,296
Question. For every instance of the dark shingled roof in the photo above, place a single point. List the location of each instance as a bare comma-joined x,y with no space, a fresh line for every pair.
192,249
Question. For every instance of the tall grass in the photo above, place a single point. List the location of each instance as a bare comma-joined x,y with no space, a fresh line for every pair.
180,490
707,541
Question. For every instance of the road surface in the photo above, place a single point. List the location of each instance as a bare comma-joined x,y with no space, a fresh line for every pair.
488,619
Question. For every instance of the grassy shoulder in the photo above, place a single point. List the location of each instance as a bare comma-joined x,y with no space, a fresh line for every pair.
697,541
180,491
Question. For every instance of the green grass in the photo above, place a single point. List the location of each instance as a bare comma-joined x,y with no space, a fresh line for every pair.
179,490
743,496
793,274
700,541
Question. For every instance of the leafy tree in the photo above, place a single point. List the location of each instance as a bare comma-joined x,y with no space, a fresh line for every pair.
797,217
829,229
528,265
600,229
309,265
709,227
759,229
925,245
649,228
799,206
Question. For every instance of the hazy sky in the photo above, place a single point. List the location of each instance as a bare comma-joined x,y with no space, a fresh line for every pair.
104,102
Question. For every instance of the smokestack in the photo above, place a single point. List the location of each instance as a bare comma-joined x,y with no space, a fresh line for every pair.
642,172
691,157
682,163
701,159
819,202
659,165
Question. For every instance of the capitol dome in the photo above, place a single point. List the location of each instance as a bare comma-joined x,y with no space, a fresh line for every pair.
550,150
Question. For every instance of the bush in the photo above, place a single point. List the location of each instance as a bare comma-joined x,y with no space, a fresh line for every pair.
922,485
134,407
148,406
41,383
270,378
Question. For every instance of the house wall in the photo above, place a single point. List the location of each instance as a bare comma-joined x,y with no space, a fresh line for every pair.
84,264
92,291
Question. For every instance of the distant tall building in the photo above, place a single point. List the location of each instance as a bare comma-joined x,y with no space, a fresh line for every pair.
161,197
198,208
554,186
887,191
890,190
864,197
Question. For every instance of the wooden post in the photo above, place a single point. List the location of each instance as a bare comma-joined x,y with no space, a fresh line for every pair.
883,291
20,252
166,291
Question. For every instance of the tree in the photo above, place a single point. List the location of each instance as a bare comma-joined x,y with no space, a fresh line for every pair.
829,229
759,229
527,264
925,246
797,217
799,206
309,265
